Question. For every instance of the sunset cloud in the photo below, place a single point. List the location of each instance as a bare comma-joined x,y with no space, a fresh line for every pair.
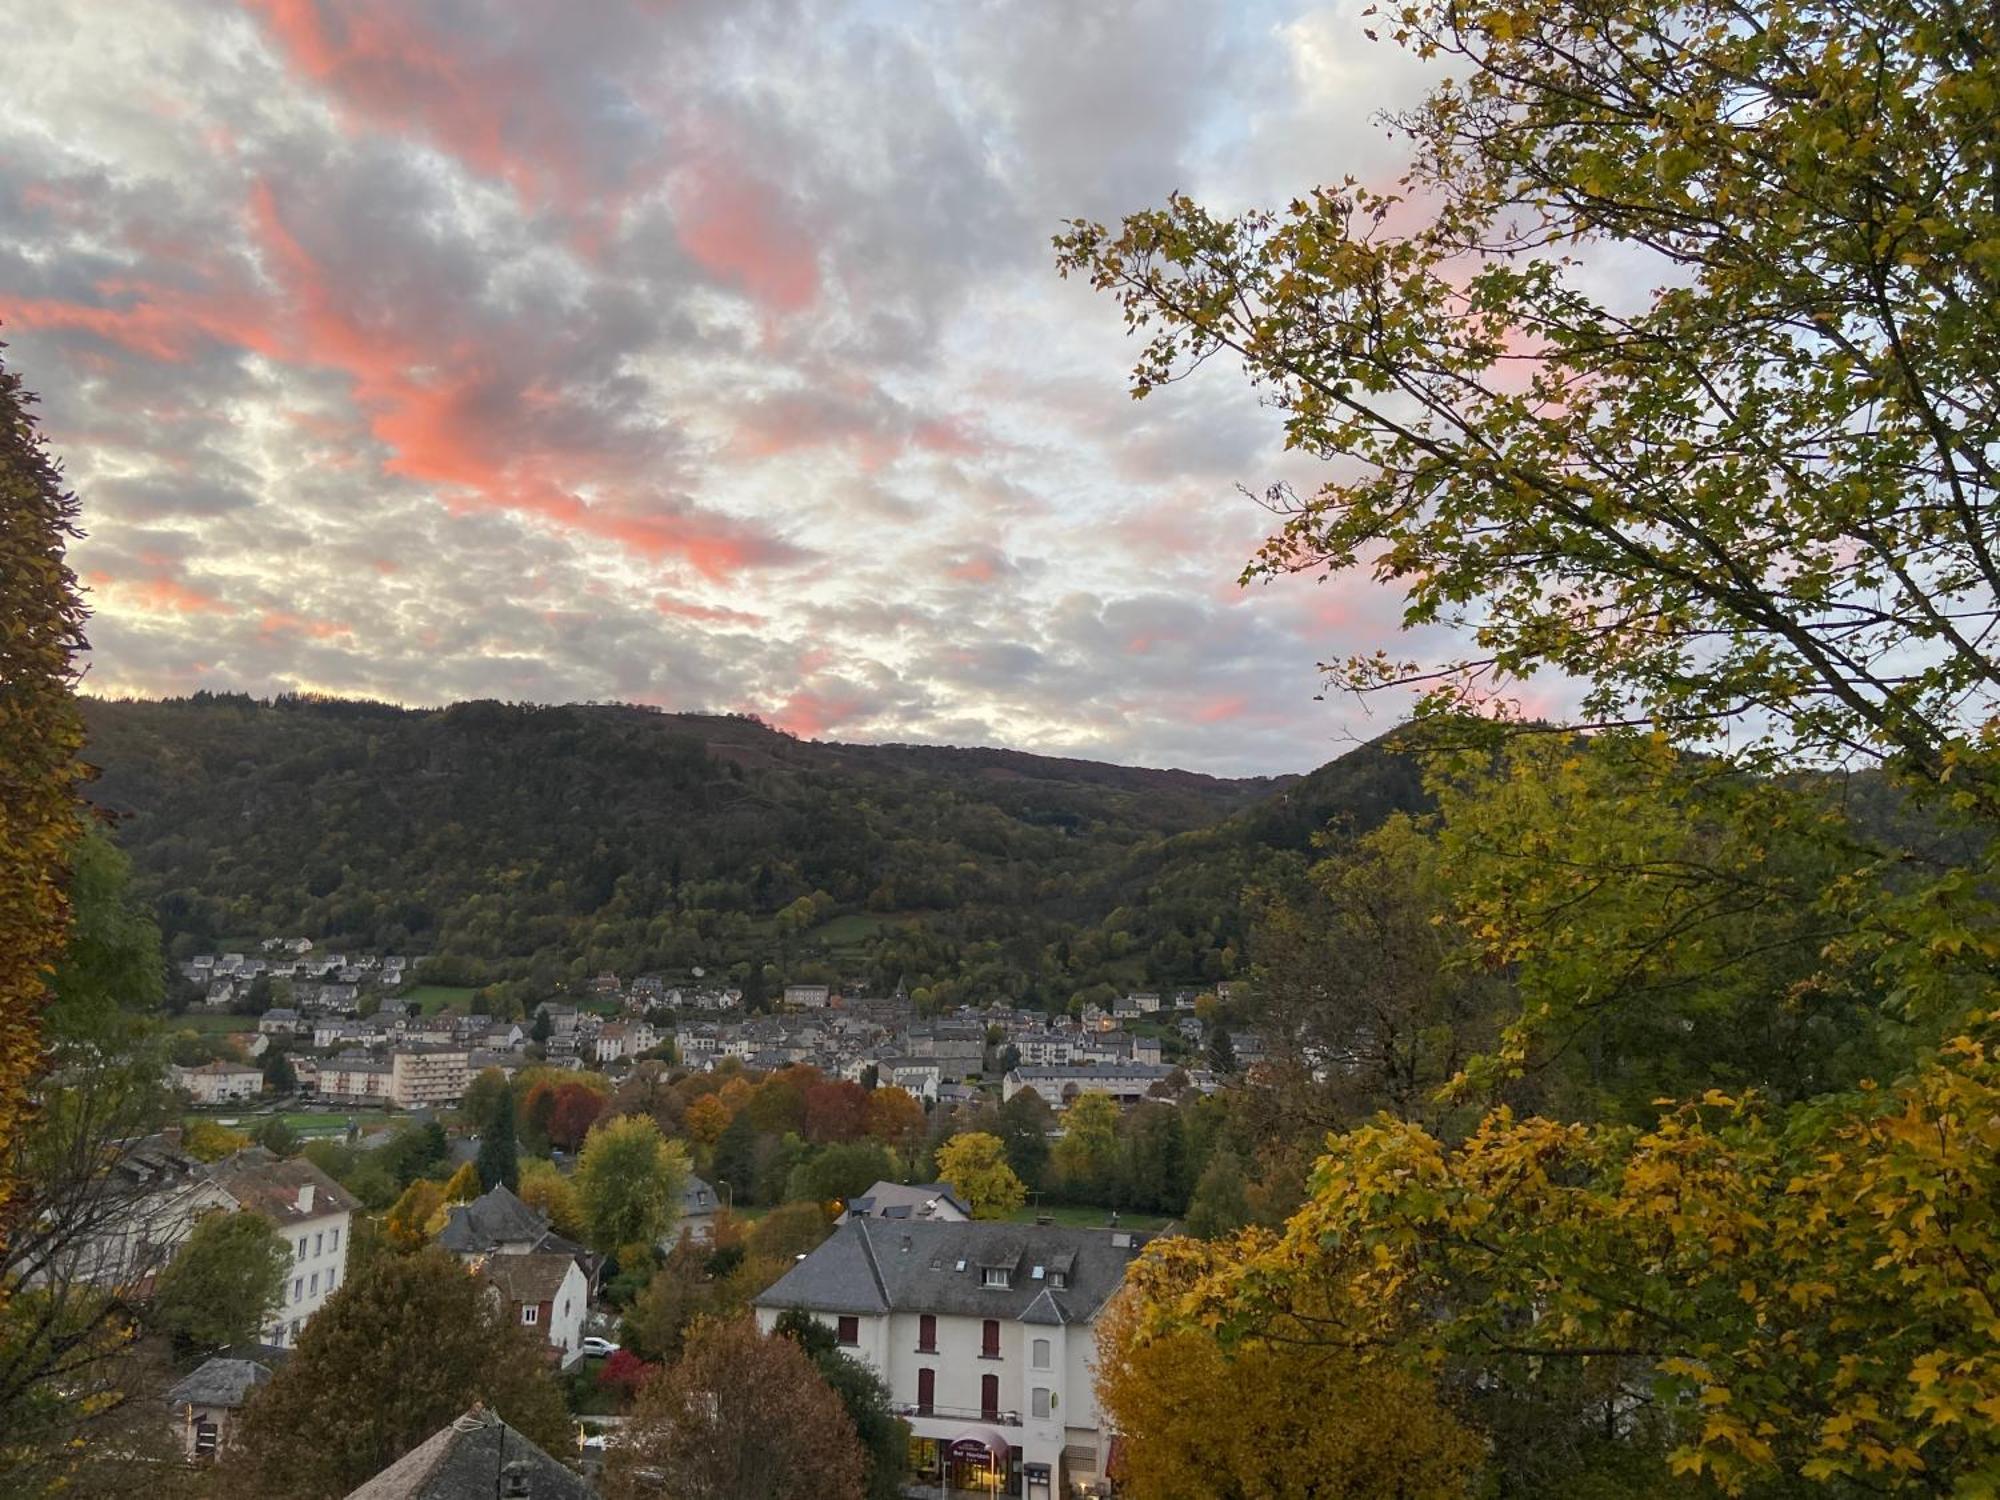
705,354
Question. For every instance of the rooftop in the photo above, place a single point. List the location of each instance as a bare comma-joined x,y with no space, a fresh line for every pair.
465,1461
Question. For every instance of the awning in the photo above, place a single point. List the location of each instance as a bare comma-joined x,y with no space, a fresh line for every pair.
979,1442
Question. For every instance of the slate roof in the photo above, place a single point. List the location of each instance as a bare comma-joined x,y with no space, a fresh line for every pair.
219,1382
269,1185
905,1200
464,1461
876,1266
494,1218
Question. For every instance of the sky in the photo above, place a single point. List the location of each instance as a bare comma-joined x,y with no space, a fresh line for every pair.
699,353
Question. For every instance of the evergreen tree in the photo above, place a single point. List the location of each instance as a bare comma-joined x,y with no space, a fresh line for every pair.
1222,1052
499,1152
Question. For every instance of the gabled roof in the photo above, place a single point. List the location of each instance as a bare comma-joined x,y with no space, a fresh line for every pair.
876,1266
908,1200
219,1382
528,1279
466,1460
272,1186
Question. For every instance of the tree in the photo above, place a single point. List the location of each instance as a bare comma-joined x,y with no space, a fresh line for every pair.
278,1138
707,1118
1221,1052
279,1077
207,1140
463,1185
223,1284
575,1110
398,1351
40,736
1219,1205
416,1216
544,1187
838,1173
885,1437
499,1154
788,1231
1757,503
1303,1422
543,1028
740,1414
485,1096
629,1183
1023,1124
895,1117
1088,1149
975,1164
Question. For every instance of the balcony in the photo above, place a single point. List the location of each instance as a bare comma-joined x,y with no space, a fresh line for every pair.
960,1414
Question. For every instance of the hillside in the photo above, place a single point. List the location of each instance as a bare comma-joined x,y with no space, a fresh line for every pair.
540,844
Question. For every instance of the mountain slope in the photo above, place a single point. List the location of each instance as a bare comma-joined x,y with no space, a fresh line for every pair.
540,844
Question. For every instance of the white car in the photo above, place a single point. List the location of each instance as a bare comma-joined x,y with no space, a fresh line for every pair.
597,1348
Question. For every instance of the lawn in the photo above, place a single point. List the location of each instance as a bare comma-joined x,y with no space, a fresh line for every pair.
436,997
1089,1216
850,930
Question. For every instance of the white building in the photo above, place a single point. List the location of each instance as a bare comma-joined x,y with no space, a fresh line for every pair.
1059,1085
314,1216
423,1078
545,1292
984,1334
218,1082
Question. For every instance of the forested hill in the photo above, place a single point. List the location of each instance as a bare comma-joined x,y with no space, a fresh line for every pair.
542,844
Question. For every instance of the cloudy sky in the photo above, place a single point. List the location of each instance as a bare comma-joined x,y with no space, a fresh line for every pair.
702,353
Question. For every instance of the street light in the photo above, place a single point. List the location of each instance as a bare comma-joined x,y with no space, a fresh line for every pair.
729,1201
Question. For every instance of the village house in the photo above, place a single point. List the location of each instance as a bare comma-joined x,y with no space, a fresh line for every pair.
545,1292
280,1020
808,996
984,1334
203,1408
217,1082
902,1201
475,1456
313,1215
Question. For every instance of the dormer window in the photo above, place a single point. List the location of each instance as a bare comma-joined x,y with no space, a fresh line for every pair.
996,1276
1058,1280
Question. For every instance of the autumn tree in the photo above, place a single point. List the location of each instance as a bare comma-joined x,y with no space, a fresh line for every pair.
884,1437
575,1110
741,1413
545,1188
398,1351
1087,1153
224,1283
1750,499
1304,1420
629,1183
975,1164
40,736
707,1118
416,1217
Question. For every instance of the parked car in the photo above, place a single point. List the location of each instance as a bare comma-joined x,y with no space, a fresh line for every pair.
597,1348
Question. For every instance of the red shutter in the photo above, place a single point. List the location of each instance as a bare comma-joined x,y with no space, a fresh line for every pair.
926,1389
990,1339
989,1396
927,1333
850,1330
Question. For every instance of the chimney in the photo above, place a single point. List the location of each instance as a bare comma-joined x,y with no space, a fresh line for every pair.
305,1197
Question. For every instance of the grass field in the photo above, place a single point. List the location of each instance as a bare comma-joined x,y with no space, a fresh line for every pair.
1089,1216
847,931
436,997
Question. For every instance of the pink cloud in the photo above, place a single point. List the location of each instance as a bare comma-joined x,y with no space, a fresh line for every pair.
736,228
1220,710
809,713
688,609
161,594
274,622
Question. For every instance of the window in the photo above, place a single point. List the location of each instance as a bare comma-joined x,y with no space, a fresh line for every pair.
312,1285
319,1242
333,1239
295,1329
926,1389
1041,1354
302,1247
927,1334
206,1438
994,1276
849,1330
1042,1405
530,1313
298,1288
989,1339
332,1277
989,1396
1058,1280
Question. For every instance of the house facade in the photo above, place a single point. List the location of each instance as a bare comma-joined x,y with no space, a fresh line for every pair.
314,1216
545,1292
218,1082
427,1077
985,1335
204,1407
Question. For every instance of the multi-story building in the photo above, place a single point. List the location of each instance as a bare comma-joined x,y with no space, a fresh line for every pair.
314,1216
354,1078
984,1334
428,1077
1059,1086
218,1082
808,996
